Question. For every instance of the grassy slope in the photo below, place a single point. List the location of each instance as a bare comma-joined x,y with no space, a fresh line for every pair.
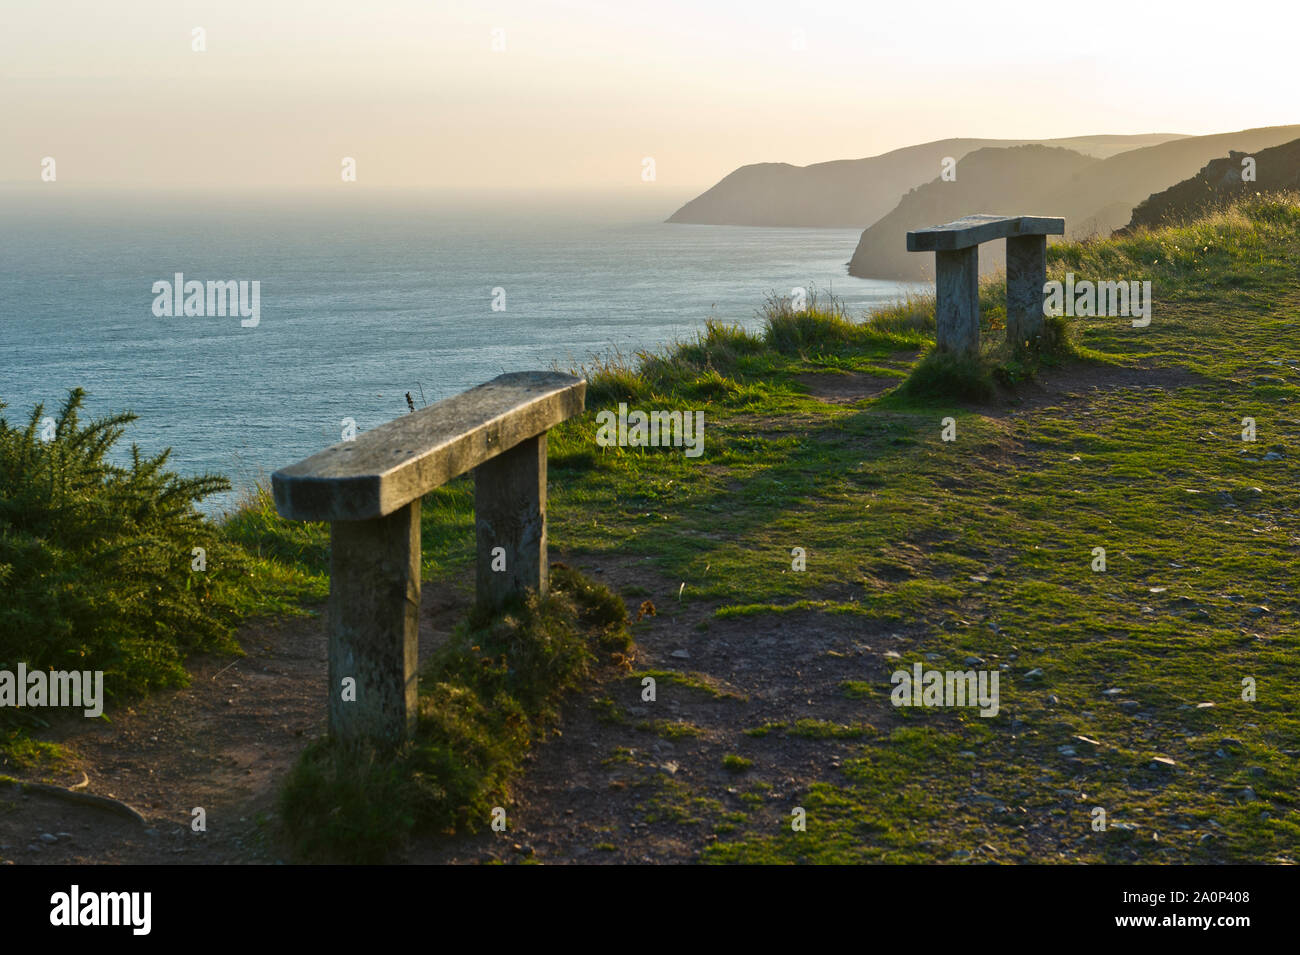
984,546
897,523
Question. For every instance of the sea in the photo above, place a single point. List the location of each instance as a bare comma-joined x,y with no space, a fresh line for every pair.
362,299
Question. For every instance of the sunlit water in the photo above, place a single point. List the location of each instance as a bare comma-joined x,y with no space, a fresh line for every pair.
361,302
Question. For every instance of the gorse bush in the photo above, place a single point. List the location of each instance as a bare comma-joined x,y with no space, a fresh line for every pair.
96,559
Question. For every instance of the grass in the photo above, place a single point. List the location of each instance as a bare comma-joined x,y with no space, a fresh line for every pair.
699,682
812,729
671,729
985,545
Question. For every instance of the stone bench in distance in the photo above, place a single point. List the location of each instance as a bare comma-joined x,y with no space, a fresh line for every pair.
957,272
369,489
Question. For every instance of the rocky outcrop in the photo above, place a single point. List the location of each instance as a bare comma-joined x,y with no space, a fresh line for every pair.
1219,183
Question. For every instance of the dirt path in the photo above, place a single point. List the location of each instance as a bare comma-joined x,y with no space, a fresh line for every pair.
223,744
614,790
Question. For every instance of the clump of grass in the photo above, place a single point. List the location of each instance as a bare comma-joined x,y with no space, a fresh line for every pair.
823,327
945,374
258,527
611,380
700,368
19,751
726,362
608,711
911,317
484,697
736,764
818,325
691,681
813,729
977,377
822,729
720,348
859,690
671,729
97,561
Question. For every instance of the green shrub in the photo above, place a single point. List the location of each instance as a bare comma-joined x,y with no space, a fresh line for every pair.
96,558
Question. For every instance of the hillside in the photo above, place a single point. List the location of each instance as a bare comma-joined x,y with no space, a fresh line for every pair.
1016,180
1095,199
852,193
1218,184
1121,685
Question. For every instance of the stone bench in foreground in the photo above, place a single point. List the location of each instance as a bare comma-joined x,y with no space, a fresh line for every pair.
369,489
956,274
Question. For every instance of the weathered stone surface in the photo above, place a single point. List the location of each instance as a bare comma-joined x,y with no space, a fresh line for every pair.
982,227
510,513
1026,274
957,300
374,610
390,466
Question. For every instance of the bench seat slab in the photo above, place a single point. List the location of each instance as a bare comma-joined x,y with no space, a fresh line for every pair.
387,467
972,230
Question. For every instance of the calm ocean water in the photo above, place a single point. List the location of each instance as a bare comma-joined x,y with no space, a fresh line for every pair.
361,301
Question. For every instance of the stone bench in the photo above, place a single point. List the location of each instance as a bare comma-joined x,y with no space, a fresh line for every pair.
957,271
369,489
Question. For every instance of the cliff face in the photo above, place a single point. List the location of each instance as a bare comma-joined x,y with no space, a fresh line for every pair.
1219,183
1096,197
853,193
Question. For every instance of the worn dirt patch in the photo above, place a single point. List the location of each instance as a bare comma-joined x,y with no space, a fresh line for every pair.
593,792
224,743
1080,381
846,389
615,791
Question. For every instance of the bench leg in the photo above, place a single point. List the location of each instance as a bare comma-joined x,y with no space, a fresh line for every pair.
957,300
1026,273
374,613
510,514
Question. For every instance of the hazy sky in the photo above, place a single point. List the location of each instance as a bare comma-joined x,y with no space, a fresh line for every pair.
584,91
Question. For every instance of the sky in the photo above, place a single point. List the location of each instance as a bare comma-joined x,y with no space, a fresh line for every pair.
576,96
